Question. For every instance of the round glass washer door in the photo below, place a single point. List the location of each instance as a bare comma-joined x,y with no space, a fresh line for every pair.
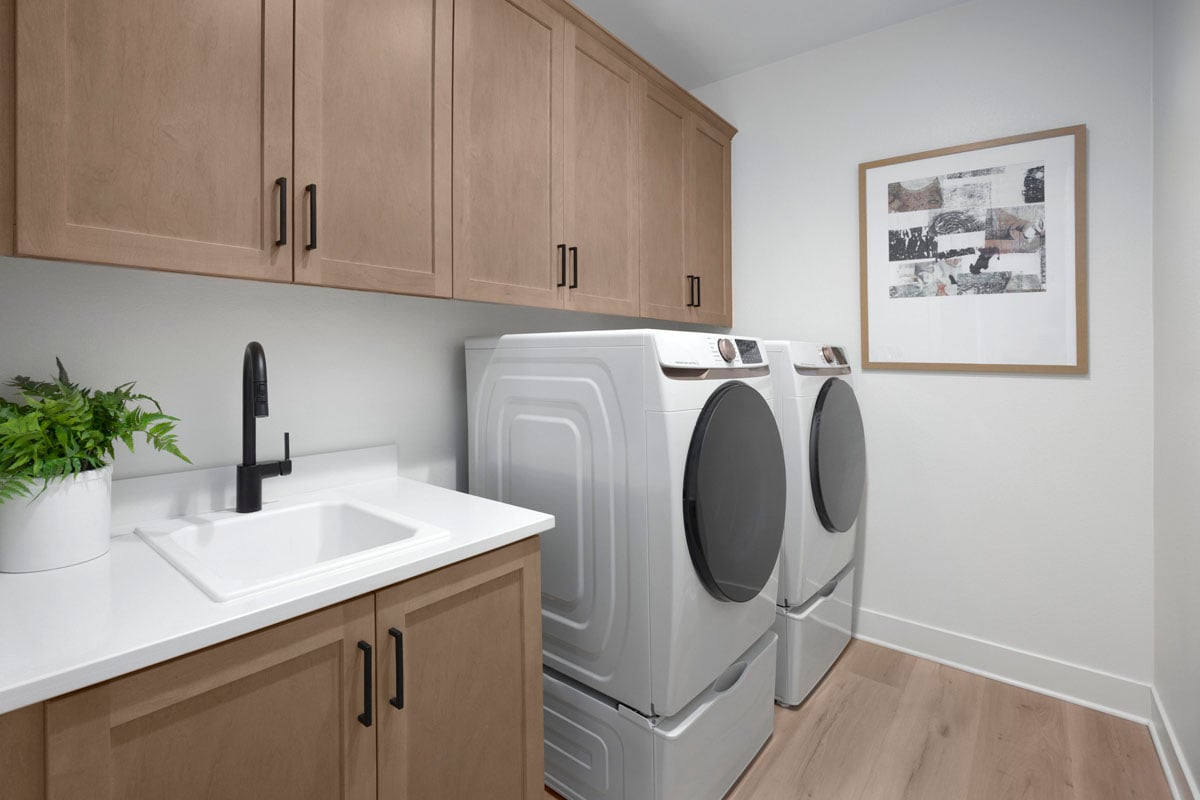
837,456
734,493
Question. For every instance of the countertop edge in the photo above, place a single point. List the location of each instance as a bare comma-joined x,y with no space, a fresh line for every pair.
190,640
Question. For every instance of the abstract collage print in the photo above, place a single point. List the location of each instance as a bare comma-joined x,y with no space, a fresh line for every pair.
968,233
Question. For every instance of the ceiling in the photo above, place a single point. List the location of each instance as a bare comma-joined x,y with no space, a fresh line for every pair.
696,42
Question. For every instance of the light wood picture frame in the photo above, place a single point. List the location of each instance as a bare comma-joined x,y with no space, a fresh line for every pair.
974,258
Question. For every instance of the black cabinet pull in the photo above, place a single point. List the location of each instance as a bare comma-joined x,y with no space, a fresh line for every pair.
368,702
282,184
562,262
698,300
398,635
312,216
691,303
574,268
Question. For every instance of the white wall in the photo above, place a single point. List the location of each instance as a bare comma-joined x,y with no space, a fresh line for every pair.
1177,374
1016,510
346,369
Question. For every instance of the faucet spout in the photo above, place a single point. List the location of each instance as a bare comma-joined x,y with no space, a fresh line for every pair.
254,398
250,473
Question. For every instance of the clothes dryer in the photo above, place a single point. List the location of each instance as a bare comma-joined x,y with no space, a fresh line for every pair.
659,456
825,453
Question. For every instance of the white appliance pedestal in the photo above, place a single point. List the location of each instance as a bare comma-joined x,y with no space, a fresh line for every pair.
811,638
597,749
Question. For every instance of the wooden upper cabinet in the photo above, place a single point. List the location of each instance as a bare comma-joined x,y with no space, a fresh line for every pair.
151,133
508,151
270,715
663,231
685,213
708,220
603,101
373,104
465,719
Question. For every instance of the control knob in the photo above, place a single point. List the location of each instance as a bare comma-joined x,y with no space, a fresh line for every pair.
726,349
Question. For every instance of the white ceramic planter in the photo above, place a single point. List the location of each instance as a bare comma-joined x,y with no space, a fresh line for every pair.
67,524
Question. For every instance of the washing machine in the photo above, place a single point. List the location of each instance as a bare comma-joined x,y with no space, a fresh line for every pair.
659,456
825,455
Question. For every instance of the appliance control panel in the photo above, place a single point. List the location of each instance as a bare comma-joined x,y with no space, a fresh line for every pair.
708,351
809,355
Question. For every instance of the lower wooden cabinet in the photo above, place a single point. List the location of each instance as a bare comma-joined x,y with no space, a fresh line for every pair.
270,715
23,753
468,639
315,708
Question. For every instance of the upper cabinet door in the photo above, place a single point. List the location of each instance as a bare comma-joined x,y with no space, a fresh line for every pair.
508,158
152,133
373,103
665,287
602,112
708,219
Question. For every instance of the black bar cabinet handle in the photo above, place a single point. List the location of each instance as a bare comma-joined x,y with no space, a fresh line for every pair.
562,262
398,635
282,184
574,268
691,303
698,300
368,702
312,216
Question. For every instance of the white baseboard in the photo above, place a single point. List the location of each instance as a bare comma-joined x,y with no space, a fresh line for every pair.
1112,694
1179,776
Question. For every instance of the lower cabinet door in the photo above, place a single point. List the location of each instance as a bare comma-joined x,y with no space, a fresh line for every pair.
274,714
460,680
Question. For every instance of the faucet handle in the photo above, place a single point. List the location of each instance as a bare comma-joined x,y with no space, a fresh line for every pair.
285,466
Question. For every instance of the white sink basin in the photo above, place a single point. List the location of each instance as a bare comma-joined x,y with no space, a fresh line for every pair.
229,555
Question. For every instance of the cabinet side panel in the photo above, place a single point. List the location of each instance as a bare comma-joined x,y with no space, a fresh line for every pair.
8,125
23,753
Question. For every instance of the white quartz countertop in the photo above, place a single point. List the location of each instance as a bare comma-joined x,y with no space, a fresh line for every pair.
69,628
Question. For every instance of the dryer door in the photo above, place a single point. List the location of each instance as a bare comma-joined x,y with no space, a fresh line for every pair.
837,456
734,492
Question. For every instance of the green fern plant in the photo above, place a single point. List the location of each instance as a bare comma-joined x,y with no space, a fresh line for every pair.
62,429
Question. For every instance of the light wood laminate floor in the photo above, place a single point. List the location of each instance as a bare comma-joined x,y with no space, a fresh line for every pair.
884,725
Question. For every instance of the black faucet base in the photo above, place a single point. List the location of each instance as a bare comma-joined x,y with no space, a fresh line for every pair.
249,482
249,489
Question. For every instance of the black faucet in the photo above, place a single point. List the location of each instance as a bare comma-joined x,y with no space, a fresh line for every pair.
250,473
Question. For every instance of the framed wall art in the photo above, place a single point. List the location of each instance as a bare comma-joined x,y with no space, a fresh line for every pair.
974,258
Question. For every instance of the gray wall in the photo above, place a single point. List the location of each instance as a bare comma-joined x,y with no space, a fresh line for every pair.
1008,518
347,369
1177,371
